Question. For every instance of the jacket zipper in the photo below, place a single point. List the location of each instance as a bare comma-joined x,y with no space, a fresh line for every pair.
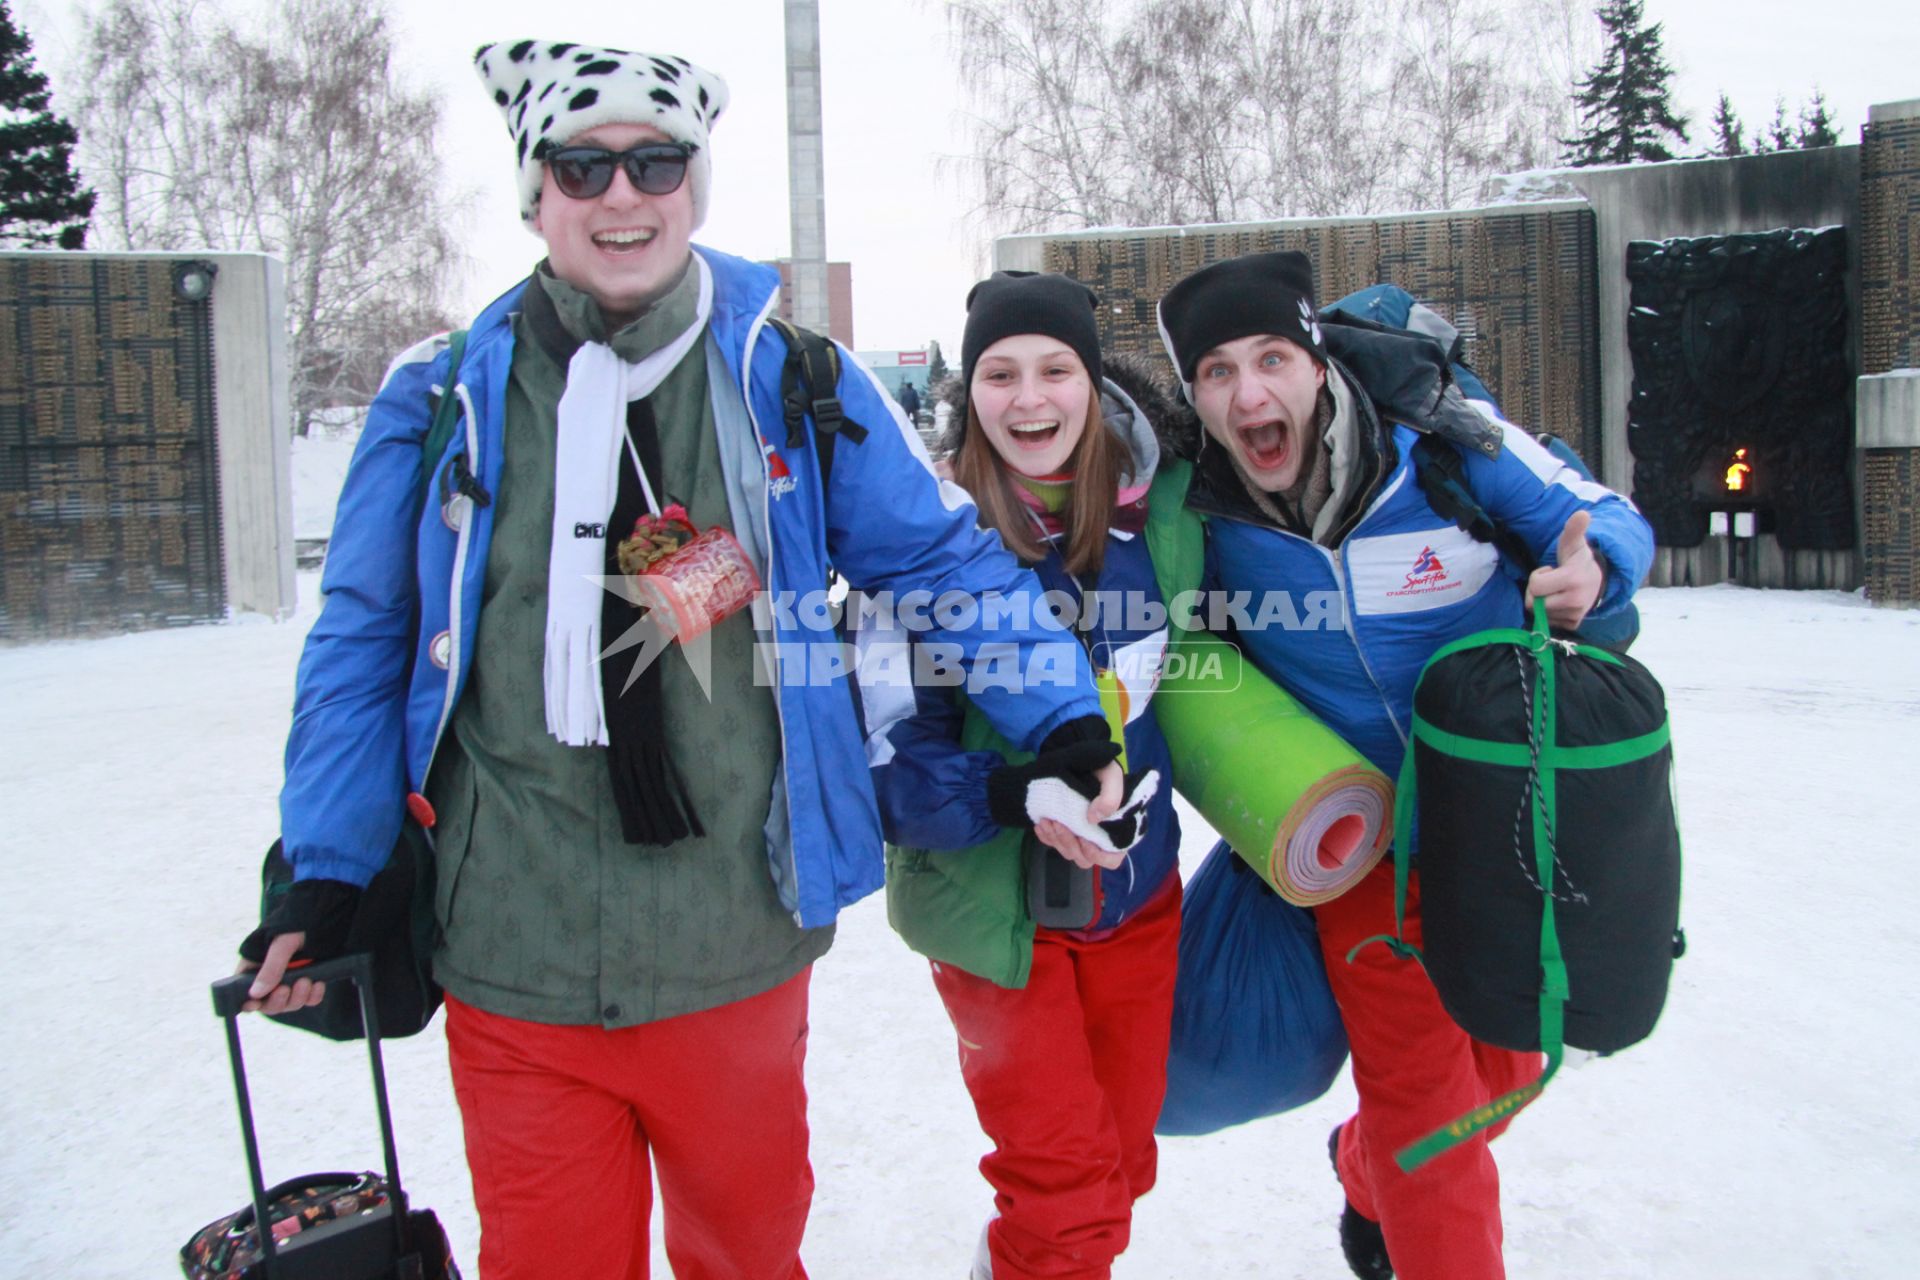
766,489
1340,574
454,591
1334,558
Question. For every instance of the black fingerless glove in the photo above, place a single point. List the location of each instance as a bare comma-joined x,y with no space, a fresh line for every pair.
321,909
1074,752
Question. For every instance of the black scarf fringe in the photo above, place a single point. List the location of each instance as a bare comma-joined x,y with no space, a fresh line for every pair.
647,788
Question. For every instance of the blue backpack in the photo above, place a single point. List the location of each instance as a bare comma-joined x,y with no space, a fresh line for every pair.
1441,471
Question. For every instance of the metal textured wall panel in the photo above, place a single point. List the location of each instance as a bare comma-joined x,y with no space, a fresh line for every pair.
109,469
1518,283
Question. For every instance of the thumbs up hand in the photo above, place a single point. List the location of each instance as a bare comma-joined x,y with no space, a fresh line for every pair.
1571,587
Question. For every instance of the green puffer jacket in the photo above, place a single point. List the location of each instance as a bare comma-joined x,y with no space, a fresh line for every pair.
968,910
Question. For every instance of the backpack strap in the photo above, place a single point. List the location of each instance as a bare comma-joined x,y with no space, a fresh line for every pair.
813,363
1441,474
446,417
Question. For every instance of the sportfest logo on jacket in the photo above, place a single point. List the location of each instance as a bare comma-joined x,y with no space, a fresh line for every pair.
1428,574
1418,570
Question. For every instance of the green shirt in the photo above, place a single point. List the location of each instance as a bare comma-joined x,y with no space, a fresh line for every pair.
547,913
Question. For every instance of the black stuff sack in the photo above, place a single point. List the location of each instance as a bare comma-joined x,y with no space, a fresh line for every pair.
1255,1028
1540,777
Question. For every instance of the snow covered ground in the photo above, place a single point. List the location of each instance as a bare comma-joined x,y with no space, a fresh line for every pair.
1770,1128
319,462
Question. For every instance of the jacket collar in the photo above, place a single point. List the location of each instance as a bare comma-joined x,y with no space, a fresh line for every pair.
741,292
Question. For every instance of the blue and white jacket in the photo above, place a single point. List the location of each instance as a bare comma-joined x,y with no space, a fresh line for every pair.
933,794
386,662
1346,619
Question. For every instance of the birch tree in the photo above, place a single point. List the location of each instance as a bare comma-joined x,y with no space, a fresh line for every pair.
1147,112
1450,91
301,142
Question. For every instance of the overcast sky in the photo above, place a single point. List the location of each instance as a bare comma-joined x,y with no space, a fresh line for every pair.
895,118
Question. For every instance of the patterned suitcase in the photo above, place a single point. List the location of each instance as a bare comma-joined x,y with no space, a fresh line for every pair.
321,1226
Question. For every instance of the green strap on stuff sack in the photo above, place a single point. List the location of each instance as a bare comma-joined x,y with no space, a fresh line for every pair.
1543,757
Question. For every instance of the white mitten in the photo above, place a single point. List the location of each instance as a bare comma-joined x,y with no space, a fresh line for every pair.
1056,799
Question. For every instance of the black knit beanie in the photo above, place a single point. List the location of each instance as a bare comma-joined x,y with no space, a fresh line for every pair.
1257,293
1014,302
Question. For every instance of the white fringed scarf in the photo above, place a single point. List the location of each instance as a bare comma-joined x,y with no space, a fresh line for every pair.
586,479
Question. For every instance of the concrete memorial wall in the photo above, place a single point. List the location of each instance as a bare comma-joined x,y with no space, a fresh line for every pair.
1660,205
1538,284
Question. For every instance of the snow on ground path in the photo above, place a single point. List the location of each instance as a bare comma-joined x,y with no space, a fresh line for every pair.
1767,1129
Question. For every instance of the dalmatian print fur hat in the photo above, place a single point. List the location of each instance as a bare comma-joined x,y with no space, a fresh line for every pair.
553,93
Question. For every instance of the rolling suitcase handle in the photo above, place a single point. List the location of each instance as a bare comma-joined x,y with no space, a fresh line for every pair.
229,994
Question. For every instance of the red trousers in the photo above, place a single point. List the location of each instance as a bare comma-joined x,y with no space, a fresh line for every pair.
1414,1070
1067,1075
560,1122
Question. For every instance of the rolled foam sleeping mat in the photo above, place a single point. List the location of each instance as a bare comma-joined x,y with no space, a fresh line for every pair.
1302,807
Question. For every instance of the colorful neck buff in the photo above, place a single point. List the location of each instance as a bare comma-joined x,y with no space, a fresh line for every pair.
1047,494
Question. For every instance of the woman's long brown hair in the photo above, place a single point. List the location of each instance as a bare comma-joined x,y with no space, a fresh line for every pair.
1096,462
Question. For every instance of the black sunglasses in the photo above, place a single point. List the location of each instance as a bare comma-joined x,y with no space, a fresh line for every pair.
656,168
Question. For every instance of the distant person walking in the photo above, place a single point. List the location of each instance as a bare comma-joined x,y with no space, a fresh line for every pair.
910,401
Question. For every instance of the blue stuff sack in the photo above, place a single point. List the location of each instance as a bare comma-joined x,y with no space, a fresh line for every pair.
1255,1028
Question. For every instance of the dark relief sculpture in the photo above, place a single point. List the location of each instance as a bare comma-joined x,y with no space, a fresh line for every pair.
1740,342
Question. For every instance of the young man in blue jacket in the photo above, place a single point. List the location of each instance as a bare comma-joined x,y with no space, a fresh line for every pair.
638,860
1305,473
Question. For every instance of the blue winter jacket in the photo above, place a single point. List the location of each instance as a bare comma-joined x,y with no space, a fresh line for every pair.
1346,629
933,794
385,663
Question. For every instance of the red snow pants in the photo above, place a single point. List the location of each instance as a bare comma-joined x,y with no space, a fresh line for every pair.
1414,1069
1067,1075
560,1122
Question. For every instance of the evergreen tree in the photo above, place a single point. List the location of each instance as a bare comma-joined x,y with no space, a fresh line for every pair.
1626,103
1816,124
936,365
1727,130
42,204
1779,134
